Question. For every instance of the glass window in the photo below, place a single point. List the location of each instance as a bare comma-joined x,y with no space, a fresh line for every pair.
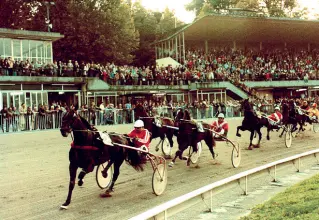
7,48
45,98
39,99
16,48
22,96
34,99
27,99
1,48
33,48
4,99
25,49
49,54
40,49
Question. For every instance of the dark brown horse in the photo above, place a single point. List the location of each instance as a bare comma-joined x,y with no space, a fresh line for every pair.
159,126
188,135
88,151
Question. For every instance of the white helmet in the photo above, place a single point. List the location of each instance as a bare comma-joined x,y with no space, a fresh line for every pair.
138,124
221,115
277,108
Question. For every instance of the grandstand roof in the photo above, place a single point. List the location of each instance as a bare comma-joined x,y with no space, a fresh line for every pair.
30,35
250,29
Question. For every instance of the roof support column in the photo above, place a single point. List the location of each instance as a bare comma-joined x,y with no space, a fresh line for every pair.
206,46
234,45
176,49
162,55
184,48
180,48
155,52
169,48
261,46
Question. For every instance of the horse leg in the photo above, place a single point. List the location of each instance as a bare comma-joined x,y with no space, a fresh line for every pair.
81,177
117,164
260,136
109,164
72,169
169,136
239,128
211,143
268,130
282,133
251,140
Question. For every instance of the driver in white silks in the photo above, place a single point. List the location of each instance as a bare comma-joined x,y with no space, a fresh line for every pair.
276,117
220,127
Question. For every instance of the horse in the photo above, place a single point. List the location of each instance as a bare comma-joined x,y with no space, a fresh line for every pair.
291,116
253,123
188,135
157,128
88,150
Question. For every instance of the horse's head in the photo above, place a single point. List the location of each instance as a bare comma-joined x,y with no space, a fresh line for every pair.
245,105
179,114
187,115
67,122
140,111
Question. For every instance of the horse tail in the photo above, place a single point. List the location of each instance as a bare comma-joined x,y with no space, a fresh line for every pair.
135,160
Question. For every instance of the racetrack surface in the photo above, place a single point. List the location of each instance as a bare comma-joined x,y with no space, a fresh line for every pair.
34,175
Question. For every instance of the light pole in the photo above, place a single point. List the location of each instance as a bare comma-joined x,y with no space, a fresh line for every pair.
48,5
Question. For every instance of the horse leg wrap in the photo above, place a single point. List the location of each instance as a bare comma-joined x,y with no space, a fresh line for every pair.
81,174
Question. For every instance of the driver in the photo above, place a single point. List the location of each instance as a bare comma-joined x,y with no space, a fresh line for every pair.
313,112
276,117
220,127
142,137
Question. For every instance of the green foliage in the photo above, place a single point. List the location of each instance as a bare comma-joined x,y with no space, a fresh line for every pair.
297,202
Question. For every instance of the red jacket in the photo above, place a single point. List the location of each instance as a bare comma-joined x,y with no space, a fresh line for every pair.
218,127
143,137
277,117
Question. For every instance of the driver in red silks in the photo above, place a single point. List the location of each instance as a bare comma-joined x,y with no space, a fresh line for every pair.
142,136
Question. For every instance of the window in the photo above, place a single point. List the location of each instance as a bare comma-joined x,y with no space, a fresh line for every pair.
49,51
1,48
7,48
25,49
16,49
33,49
40,50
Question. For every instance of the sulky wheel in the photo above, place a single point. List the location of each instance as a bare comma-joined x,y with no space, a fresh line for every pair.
102,182
194,156
236,155
288,138
166,147
159,180
315,127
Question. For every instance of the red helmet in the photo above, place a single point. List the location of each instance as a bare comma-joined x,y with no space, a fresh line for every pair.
314,105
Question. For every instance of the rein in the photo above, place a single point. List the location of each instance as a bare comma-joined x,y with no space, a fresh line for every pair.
147,117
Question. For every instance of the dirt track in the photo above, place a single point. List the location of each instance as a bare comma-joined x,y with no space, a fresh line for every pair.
34,175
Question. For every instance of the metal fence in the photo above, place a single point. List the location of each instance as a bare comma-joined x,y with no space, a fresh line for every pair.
52,120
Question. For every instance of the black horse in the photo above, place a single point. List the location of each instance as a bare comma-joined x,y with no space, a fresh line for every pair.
157,128
253,123
88,151
188,135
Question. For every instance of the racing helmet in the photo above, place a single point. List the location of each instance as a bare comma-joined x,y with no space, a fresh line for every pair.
138,124
314,105
221,115
277,108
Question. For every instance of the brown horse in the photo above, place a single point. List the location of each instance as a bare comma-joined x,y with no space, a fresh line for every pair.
159,127
188,135
88,151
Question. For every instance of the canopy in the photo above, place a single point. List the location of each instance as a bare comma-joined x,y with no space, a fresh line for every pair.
166,62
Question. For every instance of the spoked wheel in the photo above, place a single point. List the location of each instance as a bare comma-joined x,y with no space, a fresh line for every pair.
102,182
288,138
166,147
315,127
159,180
194,156
236,155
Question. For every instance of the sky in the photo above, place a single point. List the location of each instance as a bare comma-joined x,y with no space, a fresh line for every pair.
188,17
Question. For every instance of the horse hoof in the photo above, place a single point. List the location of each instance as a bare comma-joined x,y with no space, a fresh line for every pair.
104,174
250,148
184,158
188,163
257,146
171,164
156,149
80,182
105,195
280,136
215,156
238,135
64,207
268,138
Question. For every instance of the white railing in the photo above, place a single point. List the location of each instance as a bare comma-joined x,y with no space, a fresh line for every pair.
178,204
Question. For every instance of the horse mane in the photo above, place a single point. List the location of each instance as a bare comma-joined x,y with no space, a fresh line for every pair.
86,123
179,114
140,111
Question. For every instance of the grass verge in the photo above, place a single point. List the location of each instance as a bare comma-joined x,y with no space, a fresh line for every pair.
300,201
